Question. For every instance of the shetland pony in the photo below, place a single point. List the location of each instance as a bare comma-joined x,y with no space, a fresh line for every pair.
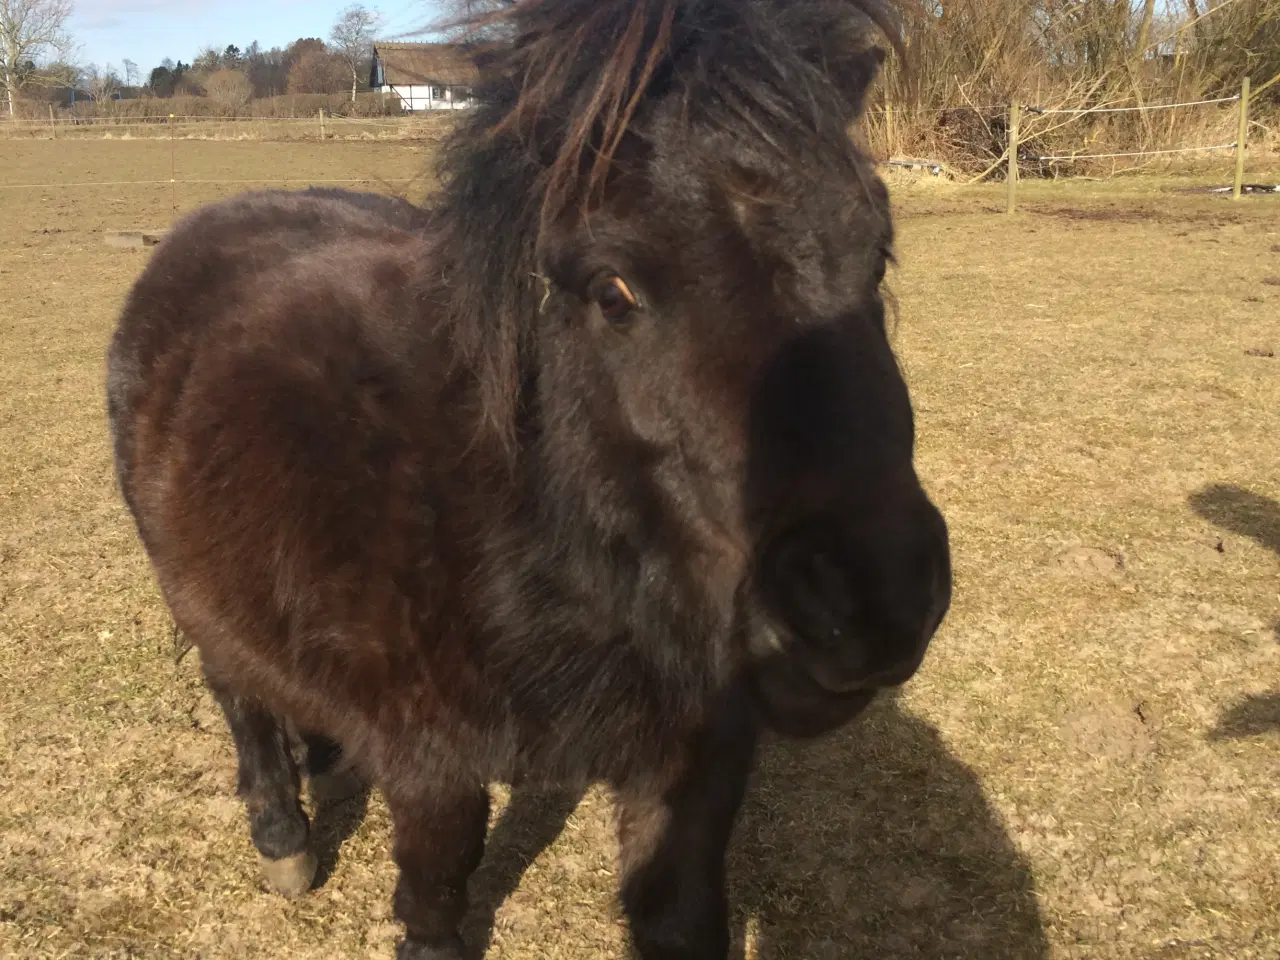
590,471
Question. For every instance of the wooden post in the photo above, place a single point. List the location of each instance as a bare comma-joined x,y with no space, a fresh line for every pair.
1015,116
888,128
53,122
173,169
1242,134
322,123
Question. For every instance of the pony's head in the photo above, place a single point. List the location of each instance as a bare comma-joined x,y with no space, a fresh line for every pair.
669,252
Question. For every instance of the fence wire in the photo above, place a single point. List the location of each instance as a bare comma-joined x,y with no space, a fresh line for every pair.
1142,108
1137,153
407,122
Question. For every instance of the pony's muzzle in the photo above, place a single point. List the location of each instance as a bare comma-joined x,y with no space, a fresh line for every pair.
857,601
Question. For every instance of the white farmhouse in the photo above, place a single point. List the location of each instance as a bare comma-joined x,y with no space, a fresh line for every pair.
425,76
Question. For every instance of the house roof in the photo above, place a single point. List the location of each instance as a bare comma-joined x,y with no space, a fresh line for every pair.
448,64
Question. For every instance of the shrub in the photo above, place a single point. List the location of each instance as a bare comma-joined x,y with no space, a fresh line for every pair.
318,71
229,89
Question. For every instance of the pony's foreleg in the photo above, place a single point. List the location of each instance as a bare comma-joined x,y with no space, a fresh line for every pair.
268,784
439,841
674,838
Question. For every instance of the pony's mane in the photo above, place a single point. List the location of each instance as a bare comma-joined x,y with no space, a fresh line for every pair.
561,84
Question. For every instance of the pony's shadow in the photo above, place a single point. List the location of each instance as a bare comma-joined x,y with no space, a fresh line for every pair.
530,823
332,824
1240,511
872,842
1258,518
876,842
1250,717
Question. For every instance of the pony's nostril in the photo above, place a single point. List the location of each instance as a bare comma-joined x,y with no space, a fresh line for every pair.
831,583
862,600
811,588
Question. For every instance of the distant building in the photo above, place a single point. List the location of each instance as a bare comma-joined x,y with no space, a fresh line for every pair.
425,76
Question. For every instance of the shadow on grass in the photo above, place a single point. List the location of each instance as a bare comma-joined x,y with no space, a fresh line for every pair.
333,823
531,822
872,842
876,842
1258,518
1249,718
1240,511
339,799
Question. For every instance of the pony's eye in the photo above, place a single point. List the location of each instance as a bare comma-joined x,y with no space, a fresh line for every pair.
616,301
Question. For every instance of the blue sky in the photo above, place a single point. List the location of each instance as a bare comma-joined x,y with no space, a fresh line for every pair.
147,31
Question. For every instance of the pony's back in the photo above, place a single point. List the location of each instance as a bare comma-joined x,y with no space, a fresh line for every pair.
265,391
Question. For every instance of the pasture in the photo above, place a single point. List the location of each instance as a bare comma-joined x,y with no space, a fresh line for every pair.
1087,766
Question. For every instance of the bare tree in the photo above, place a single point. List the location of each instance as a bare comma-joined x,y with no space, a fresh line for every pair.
30,30
131,75
207,60
352,38
473,20
230,89
317,71
103,82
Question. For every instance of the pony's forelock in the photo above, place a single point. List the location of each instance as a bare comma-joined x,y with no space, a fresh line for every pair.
562,85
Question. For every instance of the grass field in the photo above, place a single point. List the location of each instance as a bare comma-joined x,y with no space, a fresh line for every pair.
263,128
1088,765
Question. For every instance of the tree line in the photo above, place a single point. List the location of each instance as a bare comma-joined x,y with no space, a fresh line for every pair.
307,65
966,61
35,65
1083,51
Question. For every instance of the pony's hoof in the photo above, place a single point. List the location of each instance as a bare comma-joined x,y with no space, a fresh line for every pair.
291,876
327,788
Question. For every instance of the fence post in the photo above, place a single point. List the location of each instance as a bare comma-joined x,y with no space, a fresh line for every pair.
173,169
1242,134
1015,115
888,128
53,123
322,123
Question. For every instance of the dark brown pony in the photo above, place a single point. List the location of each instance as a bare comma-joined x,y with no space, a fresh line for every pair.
592,471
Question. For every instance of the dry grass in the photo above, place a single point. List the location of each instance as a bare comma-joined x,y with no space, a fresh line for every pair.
1085,768
265,128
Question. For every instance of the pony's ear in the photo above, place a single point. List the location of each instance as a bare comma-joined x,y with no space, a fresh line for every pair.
837,37
853,73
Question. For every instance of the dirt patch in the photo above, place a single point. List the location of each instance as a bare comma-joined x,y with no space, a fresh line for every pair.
1113,731
1110,214
1127,213
1090,562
